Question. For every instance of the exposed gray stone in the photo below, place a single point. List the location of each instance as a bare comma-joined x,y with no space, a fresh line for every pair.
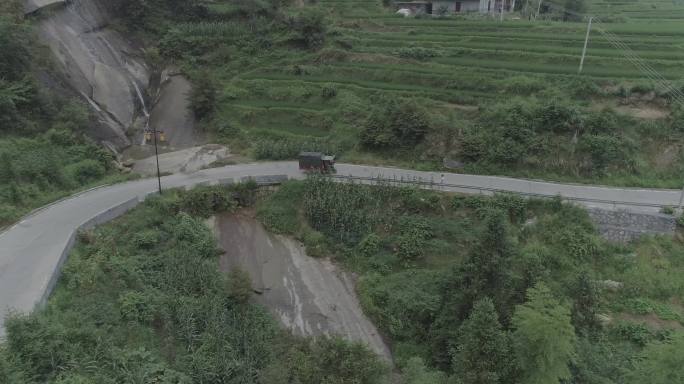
622,226
31,6
96,61
610,285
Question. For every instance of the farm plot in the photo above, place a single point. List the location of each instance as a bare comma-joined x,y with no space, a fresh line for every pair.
455,68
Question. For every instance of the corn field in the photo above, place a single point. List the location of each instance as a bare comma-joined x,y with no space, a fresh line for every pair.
343,211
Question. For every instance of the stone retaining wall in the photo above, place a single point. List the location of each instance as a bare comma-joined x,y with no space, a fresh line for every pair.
622,226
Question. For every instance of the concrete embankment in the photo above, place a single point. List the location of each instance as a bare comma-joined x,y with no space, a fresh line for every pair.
310,297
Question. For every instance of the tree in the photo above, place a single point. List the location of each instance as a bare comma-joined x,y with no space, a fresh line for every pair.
586,299
544,338
415,372
203,95
311,26
7,173
397,122
486,273
482,356
337,361
661,362
14,43
574,10
239,285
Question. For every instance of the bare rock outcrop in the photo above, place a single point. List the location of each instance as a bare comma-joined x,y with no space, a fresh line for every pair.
96,61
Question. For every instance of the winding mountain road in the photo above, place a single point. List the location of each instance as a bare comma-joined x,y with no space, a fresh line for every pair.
31,250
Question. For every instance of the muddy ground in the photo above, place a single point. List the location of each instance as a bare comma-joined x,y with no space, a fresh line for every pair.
309,296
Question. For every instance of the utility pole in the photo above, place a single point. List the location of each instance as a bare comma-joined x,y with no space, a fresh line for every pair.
538,9
586,41
156,155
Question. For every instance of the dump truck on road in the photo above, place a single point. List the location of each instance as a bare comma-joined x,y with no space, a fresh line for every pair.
316,162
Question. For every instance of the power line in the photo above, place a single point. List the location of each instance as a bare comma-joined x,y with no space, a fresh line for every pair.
631,56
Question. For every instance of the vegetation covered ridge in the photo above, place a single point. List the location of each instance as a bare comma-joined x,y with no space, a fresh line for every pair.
353,78
141,300
473,289
45,152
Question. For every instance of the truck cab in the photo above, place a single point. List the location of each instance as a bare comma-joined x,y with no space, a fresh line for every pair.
316,162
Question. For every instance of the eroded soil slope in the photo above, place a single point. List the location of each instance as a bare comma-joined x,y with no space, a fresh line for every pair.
309,296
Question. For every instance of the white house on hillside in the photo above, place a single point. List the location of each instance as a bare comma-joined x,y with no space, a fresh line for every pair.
438,7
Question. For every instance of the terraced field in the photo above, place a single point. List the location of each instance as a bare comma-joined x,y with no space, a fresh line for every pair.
454,67
465,62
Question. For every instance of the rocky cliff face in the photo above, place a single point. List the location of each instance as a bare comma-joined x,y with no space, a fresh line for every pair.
96,61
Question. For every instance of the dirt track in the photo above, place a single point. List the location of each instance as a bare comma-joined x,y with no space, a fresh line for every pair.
309,296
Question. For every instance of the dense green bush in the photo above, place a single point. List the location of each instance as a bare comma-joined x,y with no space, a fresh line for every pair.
396,123
203,95
289,148
86,170
278,214
404,304
311,27
605,150
206,201
159,311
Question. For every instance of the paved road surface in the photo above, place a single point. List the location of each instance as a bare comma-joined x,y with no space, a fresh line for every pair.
30,250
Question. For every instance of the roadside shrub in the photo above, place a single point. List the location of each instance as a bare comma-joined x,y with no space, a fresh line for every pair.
418,200
8,214
86,170
604,150
397,123
315,243
206,201
513,205
244,193
278,212
289,148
